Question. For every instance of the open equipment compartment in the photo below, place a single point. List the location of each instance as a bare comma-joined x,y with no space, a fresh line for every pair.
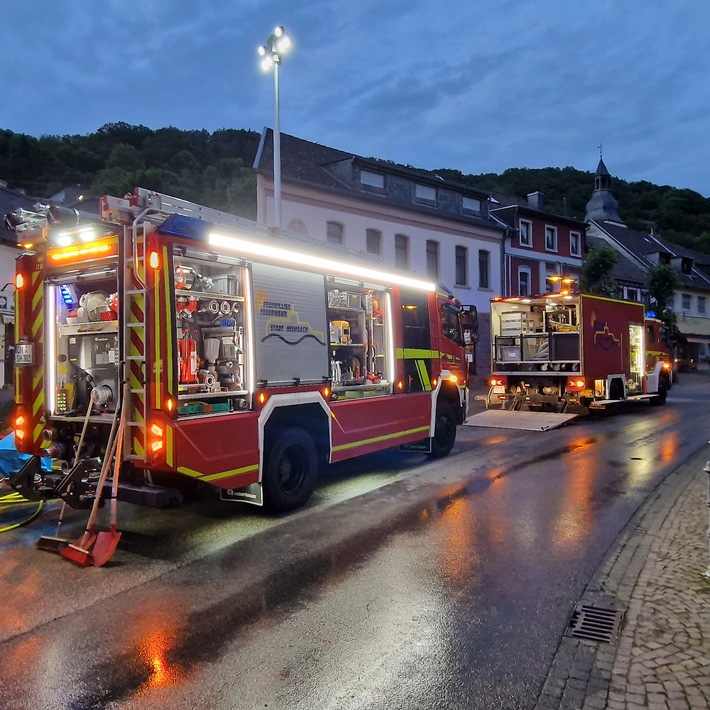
210,331
357,340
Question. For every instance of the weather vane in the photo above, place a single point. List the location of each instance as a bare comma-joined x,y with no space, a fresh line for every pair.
600,146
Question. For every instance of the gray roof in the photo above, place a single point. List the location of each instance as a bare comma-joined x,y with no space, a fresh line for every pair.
625,272
336,171
643,245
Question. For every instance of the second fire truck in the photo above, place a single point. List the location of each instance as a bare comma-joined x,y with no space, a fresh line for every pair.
575,352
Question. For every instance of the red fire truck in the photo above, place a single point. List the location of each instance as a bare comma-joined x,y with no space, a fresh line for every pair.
207,347
575,352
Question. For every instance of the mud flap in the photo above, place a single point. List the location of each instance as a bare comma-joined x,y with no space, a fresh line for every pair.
252,494
423,446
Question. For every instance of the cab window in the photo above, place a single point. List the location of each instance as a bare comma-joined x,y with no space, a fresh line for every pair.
451,323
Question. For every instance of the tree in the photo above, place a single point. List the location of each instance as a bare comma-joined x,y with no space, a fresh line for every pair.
596,272
661,282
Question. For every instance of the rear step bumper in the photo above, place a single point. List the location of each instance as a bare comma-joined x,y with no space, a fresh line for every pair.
35,484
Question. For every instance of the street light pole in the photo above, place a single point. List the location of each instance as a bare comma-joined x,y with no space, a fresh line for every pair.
276,45
277,150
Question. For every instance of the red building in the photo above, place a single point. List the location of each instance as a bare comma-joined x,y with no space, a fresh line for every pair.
541,249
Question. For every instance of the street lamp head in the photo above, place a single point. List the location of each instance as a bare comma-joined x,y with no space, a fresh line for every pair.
276,46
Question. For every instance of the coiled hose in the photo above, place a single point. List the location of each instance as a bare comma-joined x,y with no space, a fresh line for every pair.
15,499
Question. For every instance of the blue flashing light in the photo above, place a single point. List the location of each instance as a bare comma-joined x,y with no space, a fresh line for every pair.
181,226
68,296
650,314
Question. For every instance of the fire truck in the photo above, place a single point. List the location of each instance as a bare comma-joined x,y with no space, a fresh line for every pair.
194,345
575,352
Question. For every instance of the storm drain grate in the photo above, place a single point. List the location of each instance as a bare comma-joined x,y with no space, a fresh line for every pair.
594,624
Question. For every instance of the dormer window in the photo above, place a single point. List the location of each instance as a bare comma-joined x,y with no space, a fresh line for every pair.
686,265
372,181
471,205
664,257
425,194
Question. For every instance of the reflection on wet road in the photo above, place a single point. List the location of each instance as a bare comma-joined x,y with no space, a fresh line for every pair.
453,599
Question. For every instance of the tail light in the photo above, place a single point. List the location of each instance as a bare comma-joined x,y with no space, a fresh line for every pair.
496,382
576,384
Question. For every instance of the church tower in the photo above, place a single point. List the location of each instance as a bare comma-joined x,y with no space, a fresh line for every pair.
602,205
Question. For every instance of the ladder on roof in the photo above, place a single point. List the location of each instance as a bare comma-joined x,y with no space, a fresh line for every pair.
155,207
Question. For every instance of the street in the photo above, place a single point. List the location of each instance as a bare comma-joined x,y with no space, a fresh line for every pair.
405,583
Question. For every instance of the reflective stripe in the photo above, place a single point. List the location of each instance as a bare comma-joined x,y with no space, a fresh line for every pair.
375,439
415,354
228,474
423,375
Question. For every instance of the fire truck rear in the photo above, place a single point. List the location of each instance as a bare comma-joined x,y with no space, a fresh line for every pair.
575,352
203,347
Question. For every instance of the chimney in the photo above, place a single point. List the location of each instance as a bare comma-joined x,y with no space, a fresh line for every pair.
535,200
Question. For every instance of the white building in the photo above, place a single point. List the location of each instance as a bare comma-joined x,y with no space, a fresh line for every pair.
407,219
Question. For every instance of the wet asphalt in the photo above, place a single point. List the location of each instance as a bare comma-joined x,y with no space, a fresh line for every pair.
449,587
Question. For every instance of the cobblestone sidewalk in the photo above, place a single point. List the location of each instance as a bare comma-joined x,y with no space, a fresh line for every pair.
656,576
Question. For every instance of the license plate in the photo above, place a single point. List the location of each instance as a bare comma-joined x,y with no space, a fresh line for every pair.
23,354
498,389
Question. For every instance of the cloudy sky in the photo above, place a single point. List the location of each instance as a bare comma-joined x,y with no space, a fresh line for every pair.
464,84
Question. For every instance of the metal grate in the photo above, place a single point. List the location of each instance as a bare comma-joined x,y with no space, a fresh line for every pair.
594,624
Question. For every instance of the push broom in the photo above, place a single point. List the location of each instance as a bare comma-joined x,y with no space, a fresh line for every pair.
54,543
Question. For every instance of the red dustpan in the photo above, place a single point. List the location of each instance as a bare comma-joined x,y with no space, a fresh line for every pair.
106,542
80,552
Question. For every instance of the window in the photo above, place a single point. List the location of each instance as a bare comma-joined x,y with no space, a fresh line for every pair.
551,238
334,232
451,323
461,266
484,267
524,279
686,302
702,305
575,244
632,294
471,204
432,259
374,181
373,239
401,251
525,233
426,194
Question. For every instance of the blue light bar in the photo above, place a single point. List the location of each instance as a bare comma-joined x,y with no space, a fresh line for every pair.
190,227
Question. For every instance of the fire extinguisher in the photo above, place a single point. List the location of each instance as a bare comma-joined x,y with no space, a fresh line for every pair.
189,362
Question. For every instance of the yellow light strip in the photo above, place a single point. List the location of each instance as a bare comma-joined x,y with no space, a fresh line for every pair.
79,253
315,262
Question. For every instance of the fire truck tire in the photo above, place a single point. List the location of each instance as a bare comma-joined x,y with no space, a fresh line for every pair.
291,470
662,395
444,431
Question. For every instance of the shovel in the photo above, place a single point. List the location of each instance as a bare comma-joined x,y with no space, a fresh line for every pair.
106,542
80,552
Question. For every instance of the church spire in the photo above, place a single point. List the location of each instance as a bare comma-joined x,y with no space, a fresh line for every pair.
602,205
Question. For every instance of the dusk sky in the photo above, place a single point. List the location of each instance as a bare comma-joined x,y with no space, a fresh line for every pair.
473,86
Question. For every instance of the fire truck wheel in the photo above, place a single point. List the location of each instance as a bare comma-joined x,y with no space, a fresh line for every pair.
662,395
291,470
444,431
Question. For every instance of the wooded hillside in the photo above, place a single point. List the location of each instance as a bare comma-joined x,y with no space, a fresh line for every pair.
215,169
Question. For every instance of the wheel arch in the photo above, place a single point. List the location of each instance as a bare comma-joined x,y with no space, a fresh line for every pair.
307,411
